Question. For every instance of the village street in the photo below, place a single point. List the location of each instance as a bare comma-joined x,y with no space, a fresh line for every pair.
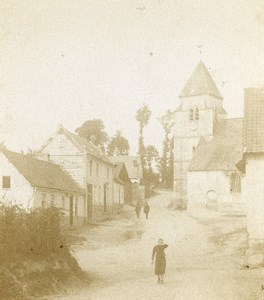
204,257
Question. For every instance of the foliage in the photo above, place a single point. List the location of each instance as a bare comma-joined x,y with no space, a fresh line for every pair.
35,259
94,131
142,116
118,145
152,158
166,166
35,233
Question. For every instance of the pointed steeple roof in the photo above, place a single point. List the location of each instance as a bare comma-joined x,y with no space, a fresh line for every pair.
200,83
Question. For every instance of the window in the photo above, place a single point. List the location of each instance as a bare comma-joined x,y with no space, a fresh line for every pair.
95,193
63,202
43,202
76,206
52,200
235,183
193,149
84,207
97,169
91,167
197,114
191,115
107,173
6,182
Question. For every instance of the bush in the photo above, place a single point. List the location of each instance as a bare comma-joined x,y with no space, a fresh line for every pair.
37,232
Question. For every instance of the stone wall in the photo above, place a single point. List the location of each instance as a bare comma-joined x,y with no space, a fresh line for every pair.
253,193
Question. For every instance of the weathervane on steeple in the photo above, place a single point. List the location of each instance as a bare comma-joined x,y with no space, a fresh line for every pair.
200,50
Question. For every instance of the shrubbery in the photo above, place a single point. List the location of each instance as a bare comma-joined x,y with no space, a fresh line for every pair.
34,257
37,232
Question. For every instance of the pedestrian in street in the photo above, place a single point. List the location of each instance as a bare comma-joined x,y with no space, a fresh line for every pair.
138,209
146,209
160,260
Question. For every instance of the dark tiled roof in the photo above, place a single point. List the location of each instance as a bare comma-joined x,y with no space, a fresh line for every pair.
200,83
223,151
120,172
253,130
42,174
87,146
132,163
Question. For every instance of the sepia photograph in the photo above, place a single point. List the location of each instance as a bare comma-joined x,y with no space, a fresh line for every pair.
131,150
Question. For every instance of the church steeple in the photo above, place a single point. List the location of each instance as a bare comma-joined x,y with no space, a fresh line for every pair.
200,83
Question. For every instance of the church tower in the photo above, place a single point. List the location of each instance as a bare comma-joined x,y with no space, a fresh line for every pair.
201,106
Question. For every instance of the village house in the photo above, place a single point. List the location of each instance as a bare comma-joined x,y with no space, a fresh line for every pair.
34,183
87,165
252,165
135,174
207,147
122,184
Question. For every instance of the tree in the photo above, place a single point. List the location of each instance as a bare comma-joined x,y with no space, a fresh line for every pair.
166,166
152,158
118,145
93,130
142,116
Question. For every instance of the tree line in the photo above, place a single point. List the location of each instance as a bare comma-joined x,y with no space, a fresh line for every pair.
157,168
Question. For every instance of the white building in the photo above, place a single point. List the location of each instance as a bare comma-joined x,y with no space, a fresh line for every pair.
253,163
204,160
87,165
35,183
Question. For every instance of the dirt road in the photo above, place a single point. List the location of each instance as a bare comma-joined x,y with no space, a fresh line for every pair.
203,258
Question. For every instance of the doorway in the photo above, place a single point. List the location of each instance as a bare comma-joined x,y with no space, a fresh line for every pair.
71,210
89,201
105,194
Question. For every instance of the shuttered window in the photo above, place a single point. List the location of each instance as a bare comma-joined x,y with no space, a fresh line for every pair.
6,182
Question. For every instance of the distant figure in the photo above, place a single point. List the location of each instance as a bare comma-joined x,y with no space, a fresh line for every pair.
146,209
160,261
138,209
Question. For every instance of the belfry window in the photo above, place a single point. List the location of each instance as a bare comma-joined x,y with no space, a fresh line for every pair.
197,114
191,114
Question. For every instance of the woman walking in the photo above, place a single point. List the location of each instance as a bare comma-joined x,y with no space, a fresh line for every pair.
160,260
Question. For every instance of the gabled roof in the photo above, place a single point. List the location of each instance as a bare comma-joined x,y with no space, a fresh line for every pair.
200,83
223,151
81,143
120,173
132,163
253,130
42,174
86,145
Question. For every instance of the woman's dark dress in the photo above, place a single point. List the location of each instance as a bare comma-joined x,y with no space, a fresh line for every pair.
160,261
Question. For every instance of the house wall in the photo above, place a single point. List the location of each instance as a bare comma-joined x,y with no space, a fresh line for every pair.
118,196
211,189
84,169
253,193
62,151
100,174
20,192
44,198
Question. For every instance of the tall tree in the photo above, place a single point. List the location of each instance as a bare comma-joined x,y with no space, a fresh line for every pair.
167,122
142,116
152,158
93,130
118,145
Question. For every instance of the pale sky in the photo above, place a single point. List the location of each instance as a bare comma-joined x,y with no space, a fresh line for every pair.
65,61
